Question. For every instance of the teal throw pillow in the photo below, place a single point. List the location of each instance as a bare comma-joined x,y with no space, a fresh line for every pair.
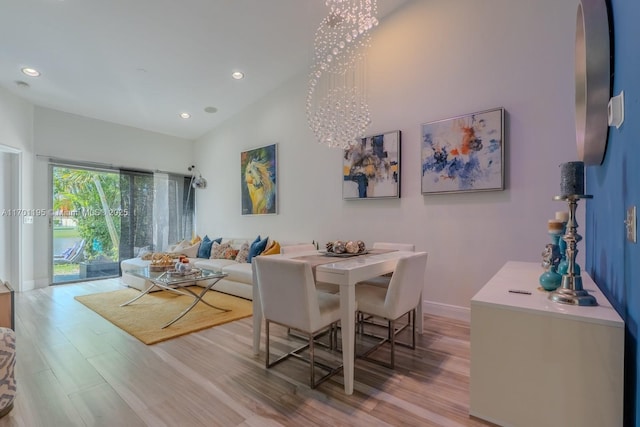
257,248
204,251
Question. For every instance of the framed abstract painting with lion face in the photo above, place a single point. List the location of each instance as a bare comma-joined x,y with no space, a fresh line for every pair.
258,169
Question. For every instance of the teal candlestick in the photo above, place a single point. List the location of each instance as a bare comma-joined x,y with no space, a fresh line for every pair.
550,280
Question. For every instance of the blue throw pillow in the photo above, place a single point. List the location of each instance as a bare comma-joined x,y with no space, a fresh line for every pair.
257,247
204,251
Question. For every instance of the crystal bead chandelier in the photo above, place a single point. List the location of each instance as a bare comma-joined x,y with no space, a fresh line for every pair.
337,109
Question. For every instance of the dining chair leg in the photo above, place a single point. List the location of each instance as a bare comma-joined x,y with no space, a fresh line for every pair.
413,330
312,360
392,327
266,331
334,336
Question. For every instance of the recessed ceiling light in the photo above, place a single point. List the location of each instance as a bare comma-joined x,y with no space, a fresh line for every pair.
210,110
237,75
185,115
31,72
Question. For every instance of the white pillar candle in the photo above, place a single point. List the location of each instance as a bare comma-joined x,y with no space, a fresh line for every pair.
562,216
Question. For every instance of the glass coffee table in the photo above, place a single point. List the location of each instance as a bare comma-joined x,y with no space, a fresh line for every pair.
179,284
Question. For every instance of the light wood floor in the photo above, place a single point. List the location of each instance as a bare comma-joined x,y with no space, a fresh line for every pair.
76,369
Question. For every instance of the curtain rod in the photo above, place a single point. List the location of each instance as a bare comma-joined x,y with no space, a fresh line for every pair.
97,165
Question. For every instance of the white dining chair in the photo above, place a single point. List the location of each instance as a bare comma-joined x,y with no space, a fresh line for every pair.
401,297
289,298
383,281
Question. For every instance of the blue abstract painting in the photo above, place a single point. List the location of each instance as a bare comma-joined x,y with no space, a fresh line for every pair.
464,153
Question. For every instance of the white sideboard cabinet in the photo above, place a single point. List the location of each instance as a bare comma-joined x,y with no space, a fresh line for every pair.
535,362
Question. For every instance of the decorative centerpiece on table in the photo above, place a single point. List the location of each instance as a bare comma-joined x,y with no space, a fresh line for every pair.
162,262
345,248
571,191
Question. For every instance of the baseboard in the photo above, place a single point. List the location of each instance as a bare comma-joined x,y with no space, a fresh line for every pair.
446,310
29,285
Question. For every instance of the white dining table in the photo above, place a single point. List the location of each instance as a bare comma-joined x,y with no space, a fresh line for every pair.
346,272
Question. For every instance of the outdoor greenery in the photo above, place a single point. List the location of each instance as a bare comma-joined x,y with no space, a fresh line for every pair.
66,269
117,213
92,200
65,232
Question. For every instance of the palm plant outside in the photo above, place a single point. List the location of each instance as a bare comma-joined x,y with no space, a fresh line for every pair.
92,200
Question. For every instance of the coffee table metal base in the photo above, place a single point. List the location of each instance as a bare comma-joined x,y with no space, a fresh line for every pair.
171,287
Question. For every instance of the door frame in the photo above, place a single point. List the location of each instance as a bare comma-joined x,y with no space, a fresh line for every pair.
15,200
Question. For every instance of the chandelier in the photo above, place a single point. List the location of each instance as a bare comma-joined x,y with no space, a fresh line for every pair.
336,107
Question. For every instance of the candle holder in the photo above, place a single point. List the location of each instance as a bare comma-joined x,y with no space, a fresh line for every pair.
562,245
570,290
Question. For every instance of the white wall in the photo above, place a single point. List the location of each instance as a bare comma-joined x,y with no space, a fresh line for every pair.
71,137
430,60
16,138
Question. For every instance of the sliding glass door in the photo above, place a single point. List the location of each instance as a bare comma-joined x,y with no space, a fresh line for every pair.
101,217
85,223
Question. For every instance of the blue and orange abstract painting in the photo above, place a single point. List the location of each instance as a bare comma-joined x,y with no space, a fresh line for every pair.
464,153
258,178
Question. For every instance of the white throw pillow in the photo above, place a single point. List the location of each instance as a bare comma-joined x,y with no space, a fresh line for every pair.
243,253
186,248
218,250
191,251
179,247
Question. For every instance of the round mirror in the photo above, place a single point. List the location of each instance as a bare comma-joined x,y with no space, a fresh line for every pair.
592,76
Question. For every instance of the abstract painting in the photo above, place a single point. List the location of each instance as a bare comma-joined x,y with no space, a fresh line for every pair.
258,169
371,168
464,153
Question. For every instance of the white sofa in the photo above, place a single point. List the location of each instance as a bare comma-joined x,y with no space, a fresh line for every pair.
239,281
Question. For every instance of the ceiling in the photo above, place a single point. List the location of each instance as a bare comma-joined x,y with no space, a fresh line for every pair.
142,62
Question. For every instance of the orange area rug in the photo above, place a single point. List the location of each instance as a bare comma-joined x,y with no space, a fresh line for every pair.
144,318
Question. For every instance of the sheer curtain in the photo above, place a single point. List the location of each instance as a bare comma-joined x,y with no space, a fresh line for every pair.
160,211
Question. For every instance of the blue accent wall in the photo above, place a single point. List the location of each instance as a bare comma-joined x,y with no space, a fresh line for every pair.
612,261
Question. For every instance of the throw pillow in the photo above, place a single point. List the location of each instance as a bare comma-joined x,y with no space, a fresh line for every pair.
257,248
230,253
204,251
177,249
205,247
272,249
218,250
191,251
195,240
243,253
183,244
